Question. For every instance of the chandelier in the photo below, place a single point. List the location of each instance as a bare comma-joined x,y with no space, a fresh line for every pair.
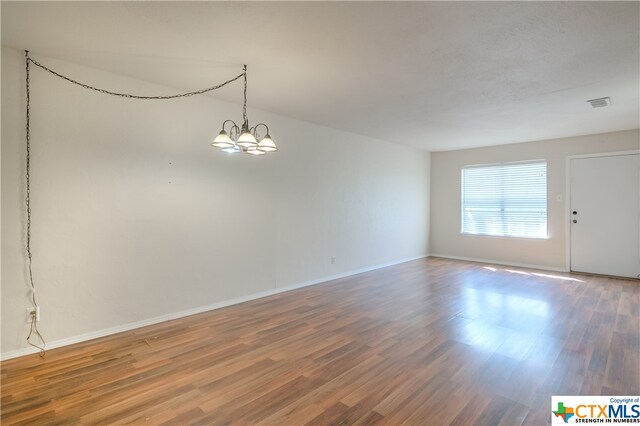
238,139
244,139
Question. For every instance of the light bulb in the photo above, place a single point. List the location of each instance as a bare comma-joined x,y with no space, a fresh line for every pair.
231,149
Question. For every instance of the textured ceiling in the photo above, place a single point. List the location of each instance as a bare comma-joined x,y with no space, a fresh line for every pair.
435,75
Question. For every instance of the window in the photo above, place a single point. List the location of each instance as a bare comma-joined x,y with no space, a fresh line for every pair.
505,200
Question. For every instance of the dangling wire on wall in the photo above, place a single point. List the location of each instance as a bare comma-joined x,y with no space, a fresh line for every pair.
34,317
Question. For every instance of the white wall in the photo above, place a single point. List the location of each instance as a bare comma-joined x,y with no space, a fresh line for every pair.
136,216
446,239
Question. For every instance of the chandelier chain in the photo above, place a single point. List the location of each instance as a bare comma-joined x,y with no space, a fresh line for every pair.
28,61
244,106
34,326
132,96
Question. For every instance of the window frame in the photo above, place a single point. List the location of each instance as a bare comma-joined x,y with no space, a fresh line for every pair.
507,236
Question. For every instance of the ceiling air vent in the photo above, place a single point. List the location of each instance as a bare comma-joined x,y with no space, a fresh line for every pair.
600,102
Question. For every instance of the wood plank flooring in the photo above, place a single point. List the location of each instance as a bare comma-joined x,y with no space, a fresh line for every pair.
431,341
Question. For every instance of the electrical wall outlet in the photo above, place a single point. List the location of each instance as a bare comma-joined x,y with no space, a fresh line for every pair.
31,312
333,260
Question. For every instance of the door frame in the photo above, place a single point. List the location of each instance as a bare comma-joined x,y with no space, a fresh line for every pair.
567,196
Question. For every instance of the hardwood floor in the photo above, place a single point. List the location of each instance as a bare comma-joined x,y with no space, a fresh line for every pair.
431,341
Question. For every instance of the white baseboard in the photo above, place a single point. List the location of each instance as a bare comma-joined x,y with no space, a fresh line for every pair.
500,262
133,325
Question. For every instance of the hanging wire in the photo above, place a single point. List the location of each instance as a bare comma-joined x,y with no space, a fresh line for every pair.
34,318
34,323
131,96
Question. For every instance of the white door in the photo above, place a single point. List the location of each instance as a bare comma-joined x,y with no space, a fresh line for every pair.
605,215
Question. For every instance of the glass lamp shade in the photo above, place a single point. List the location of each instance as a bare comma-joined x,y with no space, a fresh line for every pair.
267,144
222,140
247,140
233,149
255,151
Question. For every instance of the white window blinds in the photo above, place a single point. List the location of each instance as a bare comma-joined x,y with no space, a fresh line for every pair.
505,200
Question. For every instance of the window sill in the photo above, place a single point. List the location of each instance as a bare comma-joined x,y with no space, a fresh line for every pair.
506,237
